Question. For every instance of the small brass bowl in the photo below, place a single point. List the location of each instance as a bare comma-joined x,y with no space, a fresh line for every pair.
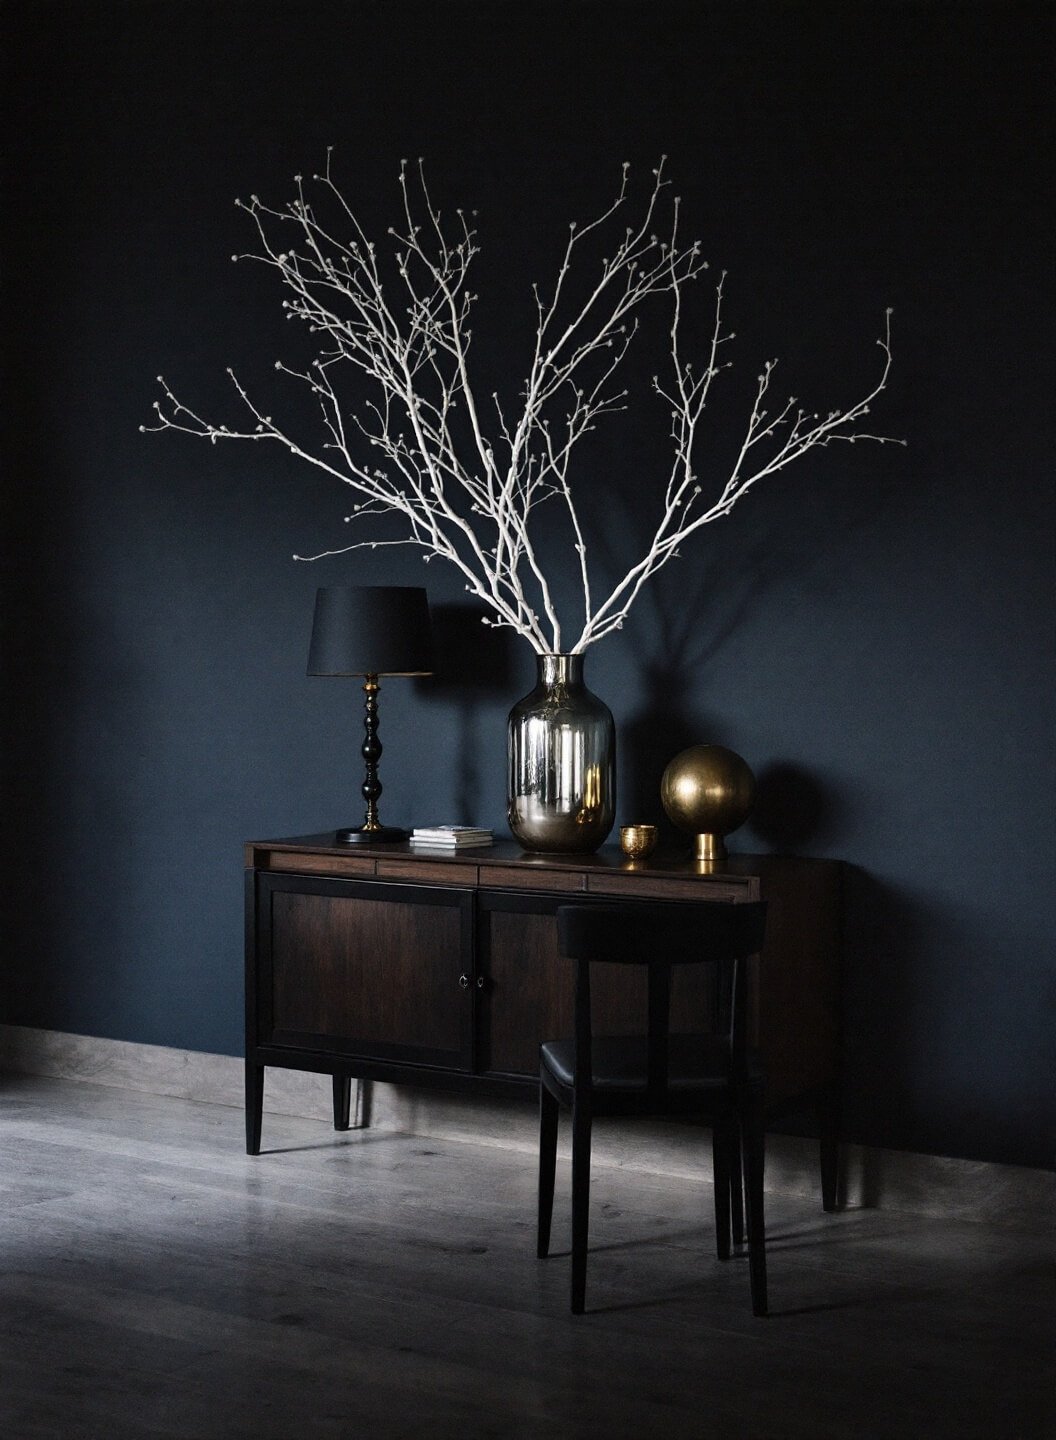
637,841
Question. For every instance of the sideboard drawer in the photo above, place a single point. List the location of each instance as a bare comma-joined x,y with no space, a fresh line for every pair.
659,889
298,864
424,872
522,878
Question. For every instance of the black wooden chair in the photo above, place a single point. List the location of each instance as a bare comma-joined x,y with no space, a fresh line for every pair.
714,1075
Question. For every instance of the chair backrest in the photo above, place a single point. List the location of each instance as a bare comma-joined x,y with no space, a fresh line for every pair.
716,933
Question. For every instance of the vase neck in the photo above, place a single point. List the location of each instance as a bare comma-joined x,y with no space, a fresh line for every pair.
560,670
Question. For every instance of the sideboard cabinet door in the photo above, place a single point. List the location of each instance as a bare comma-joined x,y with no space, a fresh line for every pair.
365,969
527,991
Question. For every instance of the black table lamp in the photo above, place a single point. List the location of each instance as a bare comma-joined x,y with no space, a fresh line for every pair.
371,630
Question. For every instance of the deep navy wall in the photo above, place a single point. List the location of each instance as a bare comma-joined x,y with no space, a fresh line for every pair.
872,630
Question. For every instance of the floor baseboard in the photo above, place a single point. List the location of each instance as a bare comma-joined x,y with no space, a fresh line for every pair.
1012,1196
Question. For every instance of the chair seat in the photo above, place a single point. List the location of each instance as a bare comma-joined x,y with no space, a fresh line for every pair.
697,1063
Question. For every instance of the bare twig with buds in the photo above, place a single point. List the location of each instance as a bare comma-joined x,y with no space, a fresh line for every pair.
423,448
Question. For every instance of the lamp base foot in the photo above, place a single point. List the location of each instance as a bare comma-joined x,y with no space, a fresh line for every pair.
380,835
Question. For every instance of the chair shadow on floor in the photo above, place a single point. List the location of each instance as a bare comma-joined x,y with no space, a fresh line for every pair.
701,1288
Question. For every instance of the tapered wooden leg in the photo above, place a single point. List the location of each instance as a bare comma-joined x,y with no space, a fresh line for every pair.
548,1116
580,1203
342,1102
736,1189
829,1130
754,1159
254,1106
720,1160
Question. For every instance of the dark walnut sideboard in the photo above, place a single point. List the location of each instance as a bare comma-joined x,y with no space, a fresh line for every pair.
399,964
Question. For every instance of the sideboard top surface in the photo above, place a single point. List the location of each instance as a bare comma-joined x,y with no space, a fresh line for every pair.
504,856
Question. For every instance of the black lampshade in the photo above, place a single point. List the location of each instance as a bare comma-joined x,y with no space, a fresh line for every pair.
371,630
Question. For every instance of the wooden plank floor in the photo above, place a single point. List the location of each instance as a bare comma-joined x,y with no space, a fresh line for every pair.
155,1281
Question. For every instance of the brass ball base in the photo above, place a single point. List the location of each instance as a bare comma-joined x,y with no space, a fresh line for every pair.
708,847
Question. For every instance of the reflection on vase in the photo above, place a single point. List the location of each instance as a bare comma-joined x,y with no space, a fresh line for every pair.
562,762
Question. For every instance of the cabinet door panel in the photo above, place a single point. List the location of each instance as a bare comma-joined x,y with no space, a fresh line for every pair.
529,990
368,970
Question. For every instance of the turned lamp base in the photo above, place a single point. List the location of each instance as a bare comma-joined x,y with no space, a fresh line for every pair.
379,835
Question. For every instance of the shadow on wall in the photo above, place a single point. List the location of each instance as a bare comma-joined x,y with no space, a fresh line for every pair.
937,1058
475,669
885,1020
686,632
797,811
40,645
672,652
793,808
34,742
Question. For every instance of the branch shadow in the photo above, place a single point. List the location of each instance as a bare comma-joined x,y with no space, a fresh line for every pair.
675,648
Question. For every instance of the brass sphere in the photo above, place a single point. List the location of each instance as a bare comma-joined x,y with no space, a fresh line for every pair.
709,791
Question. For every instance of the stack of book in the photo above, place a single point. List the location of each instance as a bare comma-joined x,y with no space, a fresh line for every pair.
451,837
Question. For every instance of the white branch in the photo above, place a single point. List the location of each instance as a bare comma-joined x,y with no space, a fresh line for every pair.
413,442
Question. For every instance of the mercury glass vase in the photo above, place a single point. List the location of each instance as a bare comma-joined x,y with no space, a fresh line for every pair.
561,777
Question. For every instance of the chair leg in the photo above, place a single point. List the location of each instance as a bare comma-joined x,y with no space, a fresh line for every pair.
736,1189
720,1163
580,1203
754,1158
548,1114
